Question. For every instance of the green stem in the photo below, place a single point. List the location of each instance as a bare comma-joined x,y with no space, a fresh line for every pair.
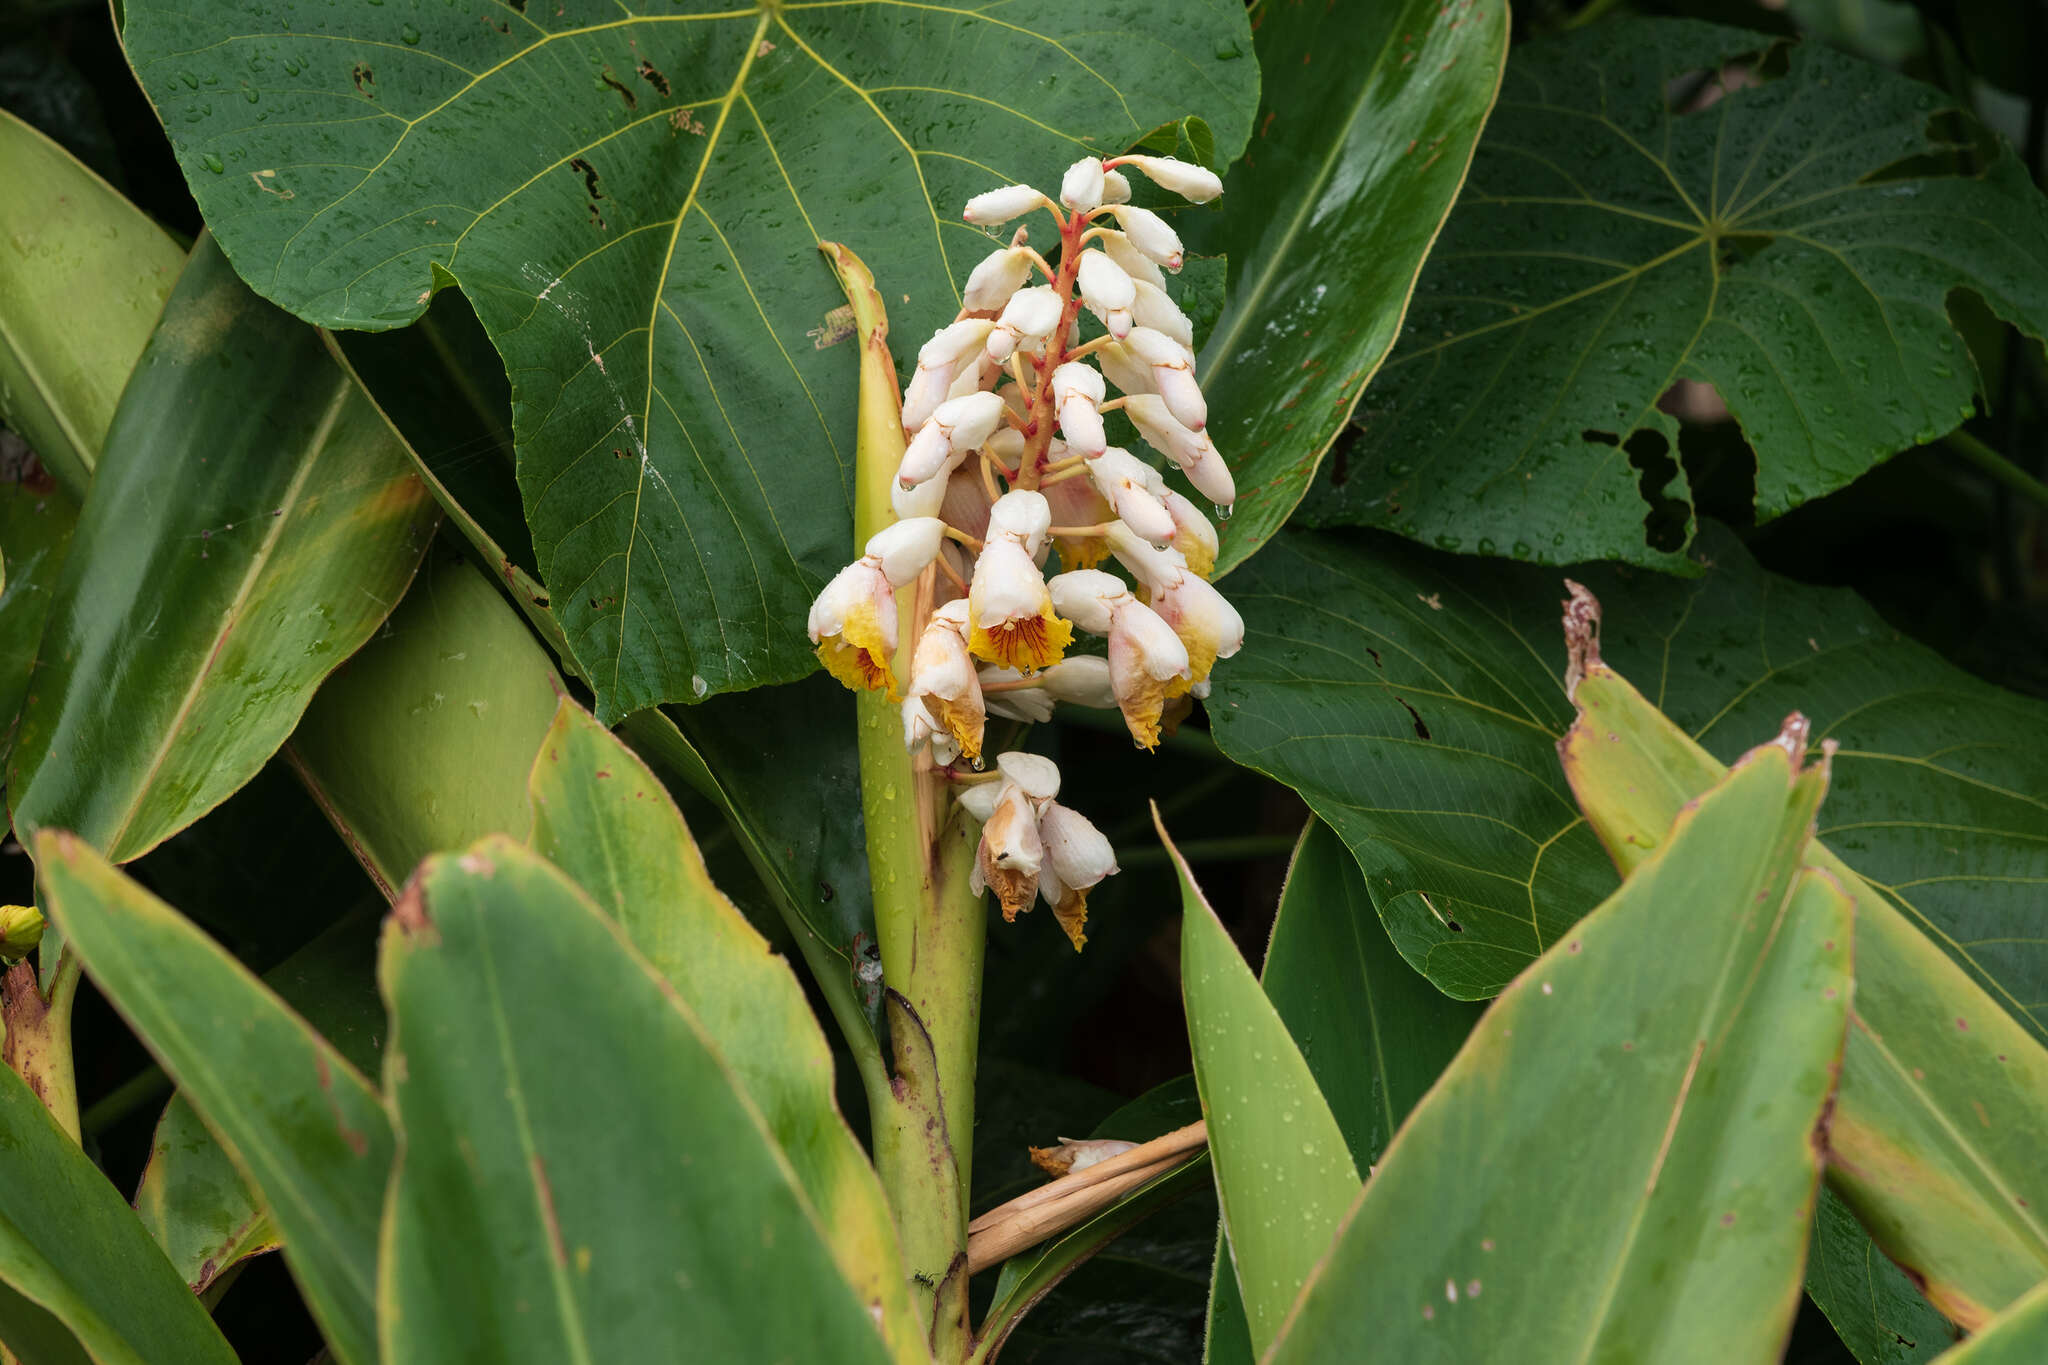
1997,466
1589,13
929,926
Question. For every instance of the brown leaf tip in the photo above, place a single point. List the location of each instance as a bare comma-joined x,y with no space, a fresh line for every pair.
1581,635
409,913
1792,738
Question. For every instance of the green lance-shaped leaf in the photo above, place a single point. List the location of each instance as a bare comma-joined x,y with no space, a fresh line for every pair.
571,1127
602,817
193,1197
1701,1012
2018,1336
631,197
79,1278
1374,1032
1790,237
1934,1142
36,521
80,289
1358,155
423,743
1284,1174
304,1126
252,520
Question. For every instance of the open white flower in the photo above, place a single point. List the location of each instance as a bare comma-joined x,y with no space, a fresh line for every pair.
853,621
943,677
1076,859
1207,625
1148,664
1011,617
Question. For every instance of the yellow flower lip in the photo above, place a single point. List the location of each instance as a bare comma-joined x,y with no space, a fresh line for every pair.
1026,644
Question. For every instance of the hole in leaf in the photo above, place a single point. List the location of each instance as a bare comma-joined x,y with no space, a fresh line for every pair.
1421,730
589,174
653,77
632,100
1649,453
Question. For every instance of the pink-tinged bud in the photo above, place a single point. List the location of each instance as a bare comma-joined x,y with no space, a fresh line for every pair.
1081,187
1086,597
1160,313
1077,393
1192,451
1115,189
902,550
1037,776
1156,568
999,275
1126,371
1207,625
938,361
1134,262
1195,184
1123,481
959,425
1194,536
1173,371
1149,233
1001,205
1077,857
1030,315
1104,285
926,499
926,454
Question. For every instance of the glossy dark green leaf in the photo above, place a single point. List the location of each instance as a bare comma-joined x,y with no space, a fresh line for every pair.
252,520
1367,122
632,199
301,1122
75,1260
806,839
424,740
1374,1032
1416,700
36,521
1284,1173
1790,238
81,285
1698,1017
571,1128
601,816
1872,1306
193,1198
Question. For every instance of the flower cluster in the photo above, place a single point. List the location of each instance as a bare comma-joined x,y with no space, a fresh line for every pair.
1007,459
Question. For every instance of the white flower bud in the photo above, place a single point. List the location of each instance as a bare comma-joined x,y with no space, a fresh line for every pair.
1194,536
1087,598
1207,625
1149,233
1123,480
1195,184
958,425
938,361
1125,370
1081,187
975,374
979,800
1135,263
1155,310
1115,189
1173,371
1077,394
1074,848
1031,703
1030,315
1023,515
1082,680
1194,452
926,499
1001,205
1037,776
1158,569
1104,285
902,550
999,275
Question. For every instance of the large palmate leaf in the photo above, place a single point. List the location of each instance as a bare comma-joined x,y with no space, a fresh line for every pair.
1700,1013
570,1126
303,1124
631,197
1375,1033
602,817
82,282
79,1278
1284,1173
252,520
1364,134
1769,242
